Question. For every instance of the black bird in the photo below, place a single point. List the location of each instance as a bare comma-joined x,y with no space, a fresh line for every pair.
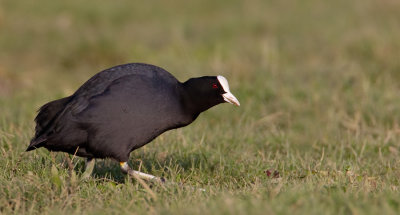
123,108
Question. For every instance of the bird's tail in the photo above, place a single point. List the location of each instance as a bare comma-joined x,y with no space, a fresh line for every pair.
36,143
44,120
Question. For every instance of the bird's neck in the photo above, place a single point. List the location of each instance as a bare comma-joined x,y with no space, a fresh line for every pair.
194,101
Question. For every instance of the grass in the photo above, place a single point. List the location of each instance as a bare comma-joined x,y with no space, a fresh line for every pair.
318,82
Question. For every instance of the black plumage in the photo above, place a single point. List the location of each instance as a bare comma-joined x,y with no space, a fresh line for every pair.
123,108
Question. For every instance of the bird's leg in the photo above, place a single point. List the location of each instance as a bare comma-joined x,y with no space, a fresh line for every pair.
140,175
127,170
89,166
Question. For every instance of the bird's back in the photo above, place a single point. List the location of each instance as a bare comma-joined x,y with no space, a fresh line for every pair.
97,84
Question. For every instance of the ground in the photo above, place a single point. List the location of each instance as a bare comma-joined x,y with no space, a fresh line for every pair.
317,133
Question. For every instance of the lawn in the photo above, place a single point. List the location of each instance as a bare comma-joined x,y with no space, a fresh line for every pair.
317,131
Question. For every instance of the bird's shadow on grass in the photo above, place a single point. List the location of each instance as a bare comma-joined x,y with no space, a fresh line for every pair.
107,169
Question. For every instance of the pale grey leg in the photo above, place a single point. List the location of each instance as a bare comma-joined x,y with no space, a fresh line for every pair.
140,176
89,166
127,170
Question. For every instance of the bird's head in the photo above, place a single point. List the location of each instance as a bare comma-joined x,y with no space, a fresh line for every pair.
207,91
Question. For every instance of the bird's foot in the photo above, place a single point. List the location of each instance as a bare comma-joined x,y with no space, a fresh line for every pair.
136,174
89,166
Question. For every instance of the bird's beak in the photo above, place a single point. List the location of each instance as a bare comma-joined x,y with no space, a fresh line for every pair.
230,98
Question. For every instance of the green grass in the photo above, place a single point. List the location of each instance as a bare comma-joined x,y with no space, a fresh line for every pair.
318,82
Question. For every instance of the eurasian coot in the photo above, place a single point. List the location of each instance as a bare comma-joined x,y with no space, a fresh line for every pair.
123,108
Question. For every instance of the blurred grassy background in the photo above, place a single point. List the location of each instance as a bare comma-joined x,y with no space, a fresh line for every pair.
318,82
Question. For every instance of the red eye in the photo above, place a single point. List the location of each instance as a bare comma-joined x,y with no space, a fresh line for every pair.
215,86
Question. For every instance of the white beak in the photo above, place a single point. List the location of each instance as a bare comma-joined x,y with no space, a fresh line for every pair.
228,96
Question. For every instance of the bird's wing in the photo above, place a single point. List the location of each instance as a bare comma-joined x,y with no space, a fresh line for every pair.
102,81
